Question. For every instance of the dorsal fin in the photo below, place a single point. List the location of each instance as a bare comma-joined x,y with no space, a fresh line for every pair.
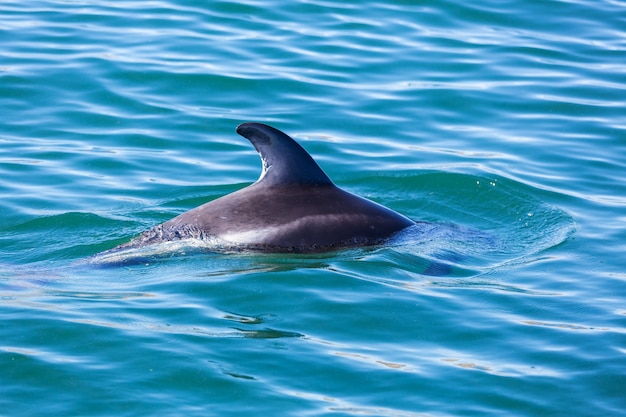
285,162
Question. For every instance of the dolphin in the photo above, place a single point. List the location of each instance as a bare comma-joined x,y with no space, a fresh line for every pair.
292,207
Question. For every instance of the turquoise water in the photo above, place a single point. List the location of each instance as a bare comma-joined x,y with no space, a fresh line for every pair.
502,123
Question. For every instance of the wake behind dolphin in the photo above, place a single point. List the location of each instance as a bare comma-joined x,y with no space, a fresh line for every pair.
292,207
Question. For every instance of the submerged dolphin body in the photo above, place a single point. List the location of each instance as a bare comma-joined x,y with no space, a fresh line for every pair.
292,207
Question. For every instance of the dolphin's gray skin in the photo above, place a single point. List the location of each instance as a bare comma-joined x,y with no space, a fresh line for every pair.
292,207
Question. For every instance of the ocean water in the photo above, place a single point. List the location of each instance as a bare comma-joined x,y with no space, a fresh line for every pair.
503,124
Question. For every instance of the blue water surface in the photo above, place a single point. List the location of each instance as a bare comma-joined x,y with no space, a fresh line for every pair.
502,124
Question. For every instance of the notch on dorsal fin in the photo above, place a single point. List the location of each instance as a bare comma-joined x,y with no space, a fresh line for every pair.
285,162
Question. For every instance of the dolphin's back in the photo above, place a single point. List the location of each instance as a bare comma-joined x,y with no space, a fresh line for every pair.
293,207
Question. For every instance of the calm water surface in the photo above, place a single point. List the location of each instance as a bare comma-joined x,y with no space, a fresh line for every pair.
503,124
